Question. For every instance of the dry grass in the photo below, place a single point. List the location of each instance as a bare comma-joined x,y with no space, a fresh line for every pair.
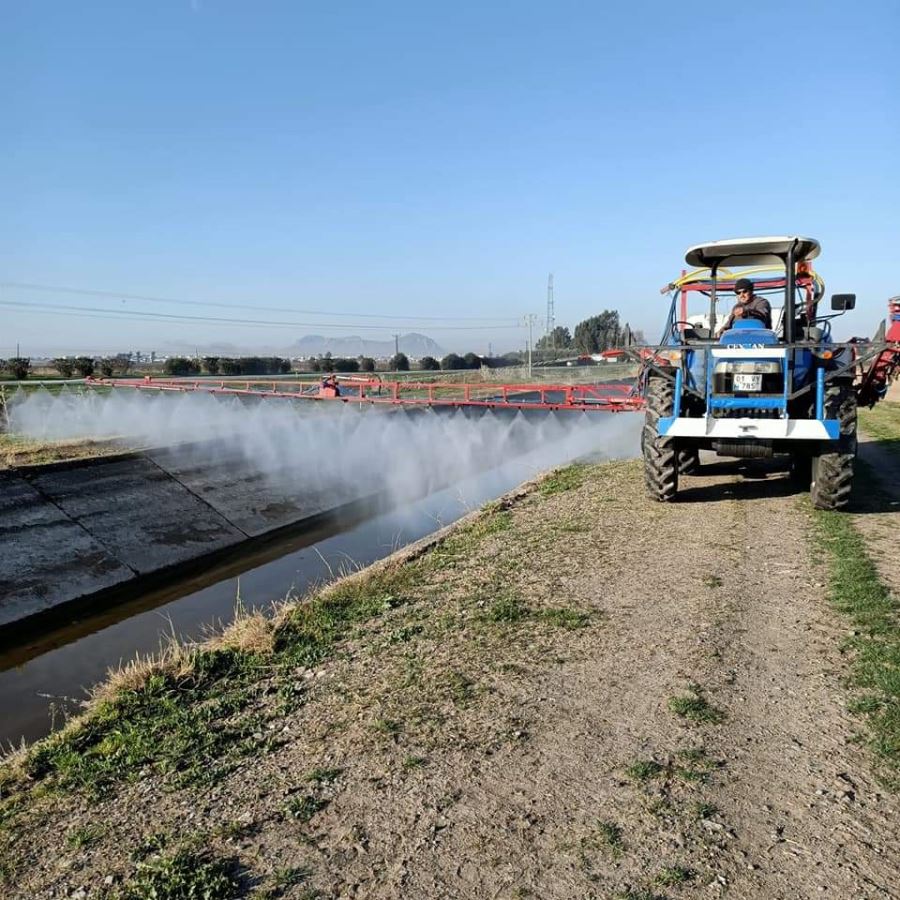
16,450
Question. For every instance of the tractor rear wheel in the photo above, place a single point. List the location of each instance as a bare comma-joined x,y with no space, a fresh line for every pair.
660,455
832,469
688,461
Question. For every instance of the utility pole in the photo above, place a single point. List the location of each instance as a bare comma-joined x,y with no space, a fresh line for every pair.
529,320
396,344
551,313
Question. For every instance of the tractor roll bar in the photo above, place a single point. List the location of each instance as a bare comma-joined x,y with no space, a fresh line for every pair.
790,298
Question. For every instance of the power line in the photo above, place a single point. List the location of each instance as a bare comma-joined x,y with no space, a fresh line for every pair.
145,316
116,295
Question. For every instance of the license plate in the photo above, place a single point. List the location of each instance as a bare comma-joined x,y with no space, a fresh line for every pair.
747,382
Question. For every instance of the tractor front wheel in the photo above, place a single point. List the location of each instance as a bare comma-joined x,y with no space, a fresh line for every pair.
660,454
832,469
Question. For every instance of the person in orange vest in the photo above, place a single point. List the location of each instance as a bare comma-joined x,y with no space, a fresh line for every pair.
329,385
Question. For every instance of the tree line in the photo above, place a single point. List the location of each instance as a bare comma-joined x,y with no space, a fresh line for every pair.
400,362
594,335
19,367
226,365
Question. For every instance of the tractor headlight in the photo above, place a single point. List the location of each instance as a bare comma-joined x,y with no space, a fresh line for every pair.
749,367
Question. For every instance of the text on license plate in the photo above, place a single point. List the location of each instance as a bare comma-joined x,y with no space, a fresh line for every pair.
747,382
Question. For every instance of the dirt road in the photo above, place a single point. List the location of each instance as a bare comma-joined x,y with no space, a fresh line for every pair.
582,694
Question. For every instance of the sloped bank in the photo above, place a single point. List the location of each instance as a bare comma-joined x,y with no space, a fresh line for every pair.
82,533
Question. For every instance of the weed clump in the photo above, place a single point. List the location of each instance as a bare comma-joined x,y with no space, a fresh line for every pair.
507,609
304,808
324,776
696,707
610,835
185,875
671,876
567,618
644,770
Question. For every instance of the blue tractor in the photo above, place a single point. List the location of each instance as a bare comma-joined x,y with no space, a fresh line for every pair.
760,387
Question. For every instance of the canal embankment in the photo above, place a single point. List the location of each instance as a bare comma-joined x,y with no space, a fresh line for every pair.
77,532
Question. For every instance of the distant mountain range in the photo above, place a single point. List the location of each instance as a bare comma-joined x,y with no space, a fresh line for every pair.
413,345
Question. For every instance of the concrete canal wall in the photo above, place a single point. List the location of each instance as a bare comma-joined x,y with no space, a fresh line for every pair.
74,531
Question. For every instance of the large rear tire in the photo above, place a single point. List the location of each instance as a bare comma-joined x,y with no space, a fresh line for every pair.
688,461
660,455
832,468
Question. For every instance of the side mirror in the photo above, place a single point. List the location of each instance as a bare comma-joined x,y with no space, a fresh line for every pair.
843,302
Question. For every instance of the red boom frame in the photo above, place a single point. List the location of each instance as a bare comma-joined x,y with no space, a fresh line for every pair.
572,397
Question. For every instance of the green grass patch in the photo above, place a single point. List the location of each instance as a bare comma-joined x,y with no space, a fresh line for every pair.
282,879
493,521
388,727
695,707
309,634
645,770
671,876
507,609
185,875
565,479
85,836
609,835
461,543
567,618
324,776
155,842
177,725
405,633
237,830
703,810
460,688
856,590
882,421
303,808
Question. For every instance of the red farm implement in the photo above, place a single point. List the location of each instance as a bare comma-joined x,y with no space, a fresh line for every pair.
874,381
440,394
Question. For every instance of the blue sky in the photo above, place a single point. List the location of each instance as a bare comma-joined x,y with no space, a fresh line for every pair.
411,160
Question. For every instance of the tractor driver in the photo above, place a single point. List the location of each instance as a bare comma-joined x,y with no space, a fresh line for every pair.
749,305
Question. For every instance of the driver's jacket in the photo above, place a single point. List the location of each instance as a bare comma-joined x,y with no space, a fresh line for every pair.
755,308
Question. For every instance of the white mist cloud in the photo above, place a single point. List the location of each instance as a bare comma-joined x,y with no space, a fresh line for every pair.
328,446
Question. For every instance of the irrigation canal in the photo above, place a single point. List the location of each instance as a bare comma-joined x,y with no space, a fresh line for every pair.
46,679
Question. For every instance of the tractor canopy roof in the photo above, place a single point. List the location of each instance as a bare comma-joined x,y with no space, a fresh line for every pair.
754,251
766,279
